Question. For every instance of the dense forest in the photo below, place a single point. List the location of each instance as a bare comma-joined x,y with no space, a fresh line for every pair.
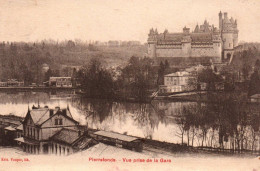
24,61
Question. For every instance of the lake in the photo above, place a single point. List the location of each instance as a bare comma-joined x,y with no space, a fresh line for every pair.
176,122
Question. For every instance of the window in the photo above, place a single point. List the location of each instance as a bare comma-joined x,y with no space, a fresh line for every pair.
38,132
60,123
56,121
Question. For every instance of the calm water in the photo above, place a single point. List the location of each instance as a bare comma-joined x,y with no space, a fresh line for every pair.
143,120
158,121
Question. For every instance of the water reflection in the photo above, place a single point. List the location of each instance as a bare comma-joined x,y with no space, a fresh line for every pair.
197,124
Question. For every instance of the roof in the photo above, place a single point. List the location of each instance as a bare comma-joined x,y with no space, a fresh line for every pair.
39,115
27,141
10,128
67,136
54,78
20,127
196,30
178,74
201,37
172,37
116,136
45,65
83,143
256,96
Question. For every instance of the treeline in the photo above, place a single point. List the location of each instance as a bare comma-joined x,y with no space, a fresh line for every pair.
24,61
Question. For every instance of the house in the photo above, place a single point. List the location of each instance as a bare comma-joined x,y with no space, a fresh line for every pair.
255,98
3,84
60,82
10,128
51,131
45,67
14,83
175,82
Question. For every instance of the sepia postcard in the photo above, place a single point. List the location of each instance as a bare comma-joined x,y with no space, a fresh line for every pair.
129,85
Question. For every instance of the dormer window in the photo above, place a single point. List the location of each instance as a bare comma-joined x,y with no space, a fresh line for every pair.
58,121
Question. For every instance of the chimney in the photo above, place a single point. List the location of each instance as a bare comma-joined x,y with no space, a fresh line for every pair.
57,108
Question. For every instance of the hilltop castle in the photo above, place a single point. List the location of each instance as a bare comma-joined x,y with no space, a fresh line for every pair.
206,41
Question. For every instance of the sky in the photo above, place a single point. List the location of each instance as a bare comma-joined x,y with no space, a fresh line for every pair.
103,20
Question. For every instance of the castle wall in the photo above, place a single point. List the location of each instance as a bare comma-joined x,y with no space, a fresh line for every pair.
198,52
170,51
188,50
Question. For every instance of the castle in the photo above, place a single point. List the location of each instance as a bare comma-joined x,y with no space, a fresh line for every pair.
206,41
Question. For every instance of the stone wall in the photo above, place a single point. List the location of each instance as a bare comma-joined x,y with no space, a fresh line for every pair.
189,51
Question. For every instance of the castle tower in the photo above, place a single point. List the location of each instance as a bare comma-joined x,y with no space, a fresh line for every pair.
227,35
220,21
217,46
152,40
186,46
235,35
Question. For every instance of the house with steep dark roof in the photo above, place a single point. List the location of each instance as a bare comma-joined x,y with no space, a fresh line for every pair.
49,131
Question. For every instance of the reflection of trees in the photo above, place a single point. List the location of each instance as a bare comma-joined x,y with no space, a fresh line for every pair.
143,118
230,119
225,123
96,110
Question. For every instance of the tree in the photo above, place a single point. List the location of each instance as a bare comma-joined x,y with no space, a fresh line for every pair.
97,81
138,77
254,82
